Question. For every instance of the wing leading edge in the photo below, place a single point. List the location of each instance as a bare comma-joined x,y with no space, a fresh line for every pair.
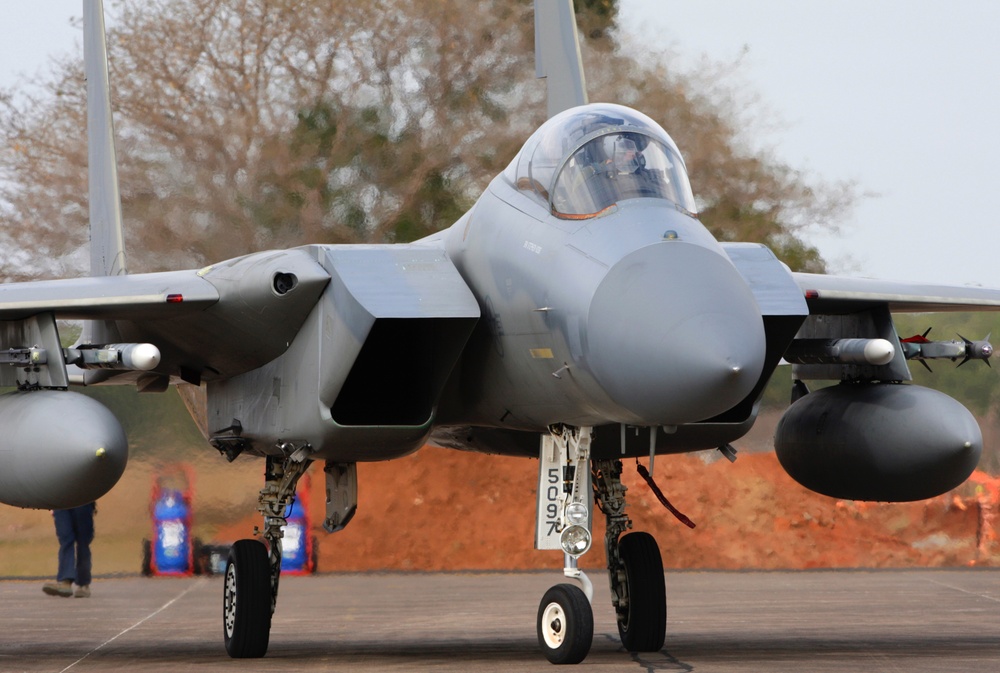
835,295
144,296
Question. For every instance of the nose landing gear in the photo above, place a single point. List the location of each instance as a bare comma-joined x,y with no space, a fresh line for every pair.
565,620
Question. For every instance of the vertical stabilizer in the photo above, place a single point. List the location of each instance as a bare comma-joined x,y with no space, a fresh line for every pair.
107,239
107,243
557,55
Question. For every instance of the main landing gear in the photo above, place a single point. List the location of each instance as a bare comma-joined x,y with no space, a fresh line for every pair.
250,591
635,569
568,486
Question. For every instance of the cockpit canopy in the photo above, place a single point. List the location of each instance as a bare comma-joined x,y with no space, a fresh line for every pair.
588,158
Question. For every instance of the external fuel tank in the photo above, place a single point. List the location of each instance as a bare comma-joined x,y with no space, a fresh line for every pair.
885,442
58,449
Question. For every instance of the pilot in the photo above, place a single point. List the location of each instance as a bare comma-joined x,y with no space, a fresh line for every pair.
632,176
626,155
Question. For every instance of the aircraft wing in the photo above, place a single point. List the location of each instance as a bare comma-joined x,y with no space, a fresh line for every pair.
834,295
860,308
144,296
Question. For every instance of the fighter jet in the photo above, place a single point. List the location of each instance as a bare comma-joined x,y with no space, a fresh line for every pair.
579,314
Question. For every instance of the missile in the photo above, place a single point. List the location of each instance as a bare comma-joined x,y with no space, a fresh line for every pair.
886,442
977,350
840,352
59,449
131,357
920,348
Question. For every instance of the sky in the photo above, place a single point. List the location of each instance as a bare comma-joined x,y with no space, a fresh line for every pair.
895,95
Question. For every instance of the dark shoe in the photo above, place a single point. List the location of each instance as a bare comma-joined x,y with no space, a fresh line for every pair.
63,588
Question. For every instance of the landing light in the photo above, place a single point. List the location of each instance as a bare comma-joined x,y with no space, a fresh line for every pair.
577,514
575,540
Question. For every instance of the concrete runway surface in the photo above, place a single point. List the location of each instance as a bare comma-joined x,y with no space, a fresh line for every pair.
909,620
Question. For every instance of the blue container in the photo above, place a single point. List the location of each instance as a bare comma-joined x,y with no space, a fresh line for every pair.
294,544
171,523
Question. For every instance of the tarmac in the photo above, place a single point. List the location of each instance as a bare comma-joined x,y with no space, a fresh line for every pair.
884,620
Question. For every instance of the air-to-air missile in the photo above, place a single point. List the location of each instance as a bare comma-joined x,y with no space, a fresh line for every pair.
921,349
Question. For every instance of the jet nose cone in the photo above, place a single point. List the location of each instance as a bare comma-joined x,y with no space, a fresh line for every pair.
674,334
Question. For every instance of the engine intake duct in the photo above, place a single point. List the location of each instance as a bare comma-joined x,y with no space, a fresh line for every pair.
400,371
409,313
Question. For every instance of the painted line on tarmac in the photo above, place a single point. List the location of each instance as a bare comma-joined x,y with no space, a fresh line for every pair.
966,591
144,619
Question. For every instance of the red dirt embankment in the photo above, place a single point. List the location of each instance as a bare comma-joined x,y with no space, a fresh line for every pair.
445,510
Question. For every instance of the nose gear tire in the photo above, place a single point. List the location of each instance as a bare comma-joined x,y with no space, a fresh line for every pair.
565,624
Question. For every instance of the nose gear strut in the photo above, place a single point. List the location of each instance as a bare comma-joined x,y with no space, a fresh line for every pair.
635,569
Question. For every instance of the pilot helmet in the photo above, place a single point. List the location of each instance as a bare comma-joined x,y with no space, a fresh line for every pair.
626,152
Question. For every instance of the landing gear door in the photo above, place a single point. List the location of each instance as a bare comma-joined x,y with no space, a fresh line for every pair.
563,478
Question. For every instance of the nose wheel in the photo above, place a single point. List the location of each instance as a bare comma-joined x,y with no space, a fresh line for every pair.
565,624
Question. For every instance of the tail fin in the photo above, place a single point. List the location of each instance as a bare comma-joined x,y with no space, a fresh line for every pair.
107,240
557,55
107,243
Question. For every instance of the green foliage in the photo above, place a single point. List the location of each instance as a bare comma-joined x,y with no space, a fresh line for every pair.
595,17
436,205
155,423
732,220
69,333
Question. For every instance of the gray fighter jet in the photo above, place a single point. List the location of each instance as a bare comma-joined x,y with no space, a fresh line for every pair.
578,314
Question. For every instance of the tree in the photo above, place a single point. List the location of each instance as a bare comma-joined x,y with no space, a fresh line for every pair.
253,124
743,194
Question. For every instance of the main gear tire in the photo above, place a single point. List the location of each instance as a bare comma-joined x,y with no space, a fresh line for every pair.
642,623
246,601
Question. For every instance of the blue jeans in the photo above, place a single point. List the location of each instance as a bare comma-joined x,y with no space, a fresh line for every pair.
75,530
